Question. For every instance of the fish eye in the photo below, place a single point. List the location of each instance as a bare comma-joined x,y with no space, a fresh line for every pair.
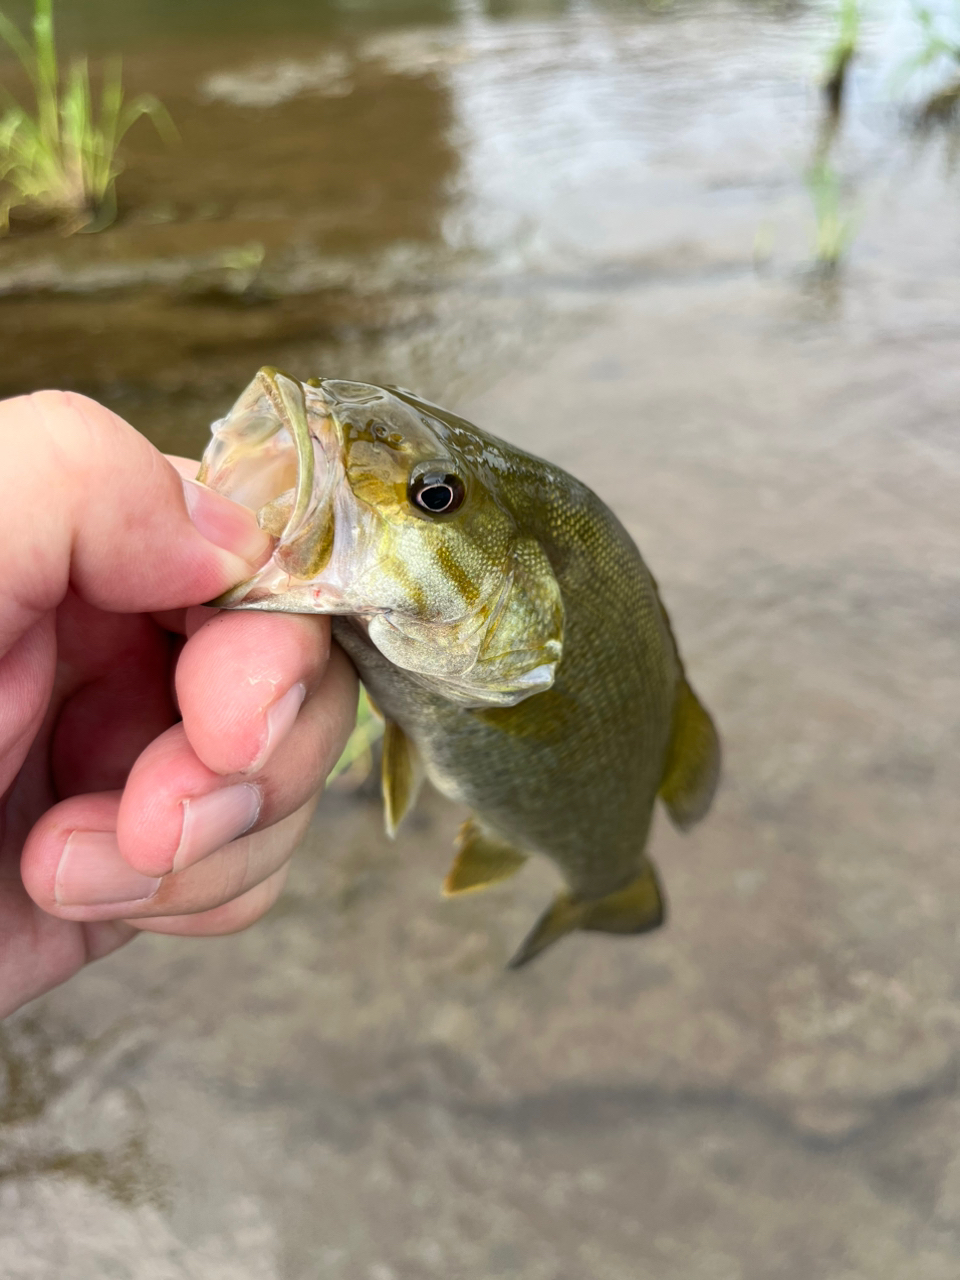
437,492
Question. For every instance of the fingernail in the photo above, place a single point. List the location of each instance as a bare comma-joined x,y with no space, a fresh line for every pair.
92,873
226,524
213,820
280,720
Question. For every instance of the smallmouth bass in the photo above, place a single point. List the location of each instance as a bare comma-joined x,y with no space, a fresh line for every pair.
503,623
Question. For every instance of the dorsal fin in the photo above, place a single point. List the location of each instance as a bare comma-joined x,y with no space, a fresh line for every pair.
401,776
481,860
692,767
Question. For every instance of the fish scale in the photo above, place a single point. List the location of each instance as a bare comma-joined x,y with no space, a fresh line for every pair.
513,639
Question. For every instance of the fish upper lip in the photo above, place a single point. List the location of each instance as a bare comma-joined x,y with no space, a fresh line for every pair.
286,421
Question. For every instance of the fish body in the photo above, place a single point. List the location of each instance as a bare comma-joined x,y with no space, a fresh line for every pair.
503,622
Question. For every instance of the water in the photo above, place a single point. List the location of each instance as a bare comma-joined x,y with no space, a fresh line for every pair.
586,227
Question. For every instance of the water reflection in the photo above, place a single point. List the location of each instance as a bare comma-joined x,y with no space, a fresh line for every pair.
354,195
137,25
260,236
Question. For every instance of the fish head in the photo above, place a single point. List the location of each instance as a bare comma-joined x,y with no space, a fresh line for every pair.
394,513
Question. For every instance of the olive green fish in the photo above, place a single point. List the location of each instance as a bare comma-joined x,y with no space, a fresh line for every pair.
503,623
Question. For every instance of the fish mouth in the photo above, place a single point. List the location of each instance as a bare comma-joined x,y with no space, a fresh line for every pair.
279,452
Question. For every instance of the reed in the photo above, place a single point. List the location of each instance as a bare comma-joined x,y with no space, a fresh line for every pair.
939,45
357,759
59,159
841,53
834,225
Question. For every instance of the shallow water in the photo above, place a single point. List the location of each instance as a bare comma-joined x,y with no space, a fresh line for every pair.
586,227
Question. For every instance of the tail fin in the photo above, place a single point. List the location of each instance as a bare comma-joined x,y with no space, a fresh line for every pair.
637,908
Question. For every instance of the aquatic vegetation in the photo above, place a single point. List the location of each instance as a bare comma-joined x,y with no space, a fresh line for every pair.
357,758
940,46
834,224
840,53
242,265
60,161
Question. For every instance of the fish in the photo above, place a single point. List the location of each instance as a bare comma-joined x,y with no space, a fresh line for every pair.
503,623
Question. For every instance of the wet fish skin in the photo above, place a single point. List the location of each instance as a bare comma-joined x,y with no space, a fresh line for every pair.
516,646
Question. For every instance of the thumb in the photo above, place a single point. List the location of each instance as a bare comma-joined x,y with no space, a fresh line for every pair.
89,502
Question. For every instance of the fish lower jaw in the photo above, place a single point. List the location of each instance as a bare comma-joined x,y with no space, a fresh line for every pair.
295,601
281,593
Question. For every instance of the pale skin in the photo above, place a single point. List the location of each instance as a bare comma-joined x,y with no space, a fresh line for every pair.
159,761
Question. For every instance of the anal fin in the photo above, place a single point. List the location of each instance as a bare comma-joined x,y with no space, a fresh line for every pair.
636,908
401,776
480,860
693,761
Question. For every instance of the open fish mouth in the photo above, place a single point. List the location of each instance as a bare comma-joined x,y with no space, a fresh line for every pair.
278,451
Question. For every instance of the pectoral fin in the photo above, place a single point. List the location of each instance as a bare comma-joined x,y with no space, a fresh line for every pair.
481,860
693,761
637,908
401,775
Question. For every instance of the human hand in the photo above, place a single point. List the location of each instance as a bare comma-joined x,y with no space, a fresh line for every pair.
116,815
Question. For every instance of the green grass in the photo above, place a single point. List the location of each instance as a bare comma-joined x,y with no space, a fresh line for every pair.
357,758
834,225
841,53
938,45
59,159
242,265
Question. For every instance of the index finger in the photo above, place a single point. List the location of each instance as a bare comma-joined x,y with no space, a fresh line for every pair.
89,502
241,680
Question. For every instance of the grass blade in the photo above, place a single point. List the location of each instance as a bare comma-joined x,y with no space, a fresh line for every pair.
61,159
